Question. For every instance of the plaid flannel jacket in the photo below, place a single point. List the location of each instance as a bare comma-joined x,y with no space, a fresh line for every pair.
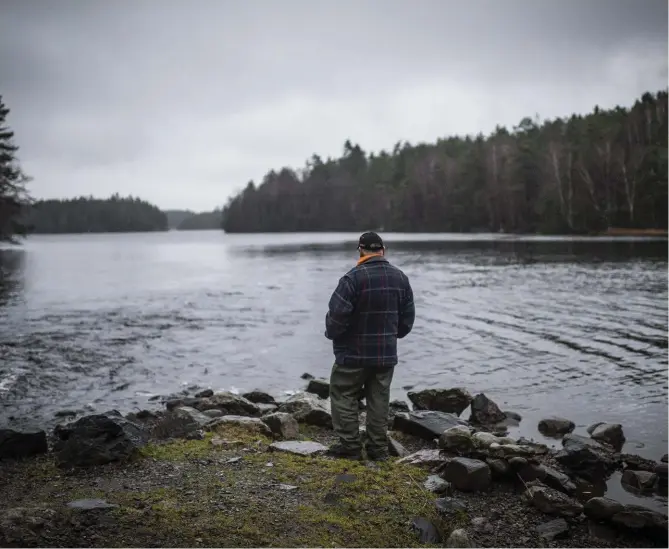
370,309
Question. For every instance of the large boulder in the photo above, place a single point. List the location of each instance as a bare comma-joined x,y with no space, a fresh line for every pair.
20,445
97,439
609,433
485,411
452,401
552,502
467,475
308,408
426,424
228,403
587,457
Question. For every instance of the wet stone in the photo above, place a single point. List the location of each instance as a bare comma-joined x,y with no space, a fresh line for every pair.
452,401
553,502
320,387
426,424
259,397
556,426
642,481
485,411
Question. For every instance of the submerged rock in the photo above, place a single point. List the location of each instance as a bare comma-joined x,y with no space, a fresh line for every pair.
452,401
640,481
20,445
467,475
553,502
556,426
609,433
259,397
98,439
485,411
229,403
426,424
308,408
298,447
320,387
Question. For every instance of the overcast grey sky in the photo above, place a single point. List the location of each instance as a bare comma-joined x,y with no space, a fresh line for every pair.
183,102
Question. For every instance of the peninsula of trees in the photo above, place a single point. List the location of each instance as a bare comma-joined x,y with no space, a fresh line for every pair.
94,215
583,174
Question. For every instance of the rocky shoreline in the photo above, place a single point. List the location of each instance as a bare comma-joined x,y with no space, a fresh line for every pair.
219,469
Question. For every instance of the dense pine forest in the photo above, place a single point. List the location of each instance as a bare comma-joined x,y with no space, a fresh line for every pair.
583,174
93,215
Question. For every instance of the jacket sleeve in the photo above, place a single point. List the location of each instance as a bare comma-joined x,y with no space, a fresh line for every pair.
340,309
407,312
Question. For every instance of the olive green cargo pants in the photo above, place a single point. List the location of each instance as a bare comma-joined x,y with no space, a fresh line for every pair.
346,385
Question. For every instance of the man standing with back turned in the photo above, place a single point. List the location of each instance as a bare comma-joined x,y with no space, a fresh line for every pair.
370,309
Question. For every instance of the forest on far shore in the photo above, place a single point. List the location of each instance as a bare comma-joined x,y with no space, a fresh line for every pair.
605,172
581,174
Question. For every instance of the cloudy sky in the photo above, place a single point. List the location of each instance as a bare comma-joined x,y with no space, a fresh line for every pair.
183,102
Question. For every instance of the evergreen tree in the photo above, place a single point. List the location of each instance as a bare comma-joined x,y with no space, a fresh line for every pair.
13,194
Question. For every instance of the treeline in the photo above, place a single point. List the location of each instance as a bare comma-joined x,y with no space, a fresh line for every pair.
583,174
94,215
202,221
185,220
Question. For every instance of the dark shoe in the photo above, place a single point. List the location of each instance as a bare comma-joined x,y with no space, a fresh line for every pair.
377,457
343,452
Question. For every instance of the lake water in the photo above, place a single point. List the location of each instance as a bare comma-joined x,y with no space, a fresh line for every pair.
571,327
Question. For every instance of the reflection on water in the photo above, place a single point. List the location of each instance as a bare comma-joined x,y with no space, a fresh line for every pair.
544,326
11,264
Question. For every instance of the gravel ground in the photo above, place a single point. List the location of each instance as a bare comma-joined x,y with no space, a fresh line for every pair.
196,494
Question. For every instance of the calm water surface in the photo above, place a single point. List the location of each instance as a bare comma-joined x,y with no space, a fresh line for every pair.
572,327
